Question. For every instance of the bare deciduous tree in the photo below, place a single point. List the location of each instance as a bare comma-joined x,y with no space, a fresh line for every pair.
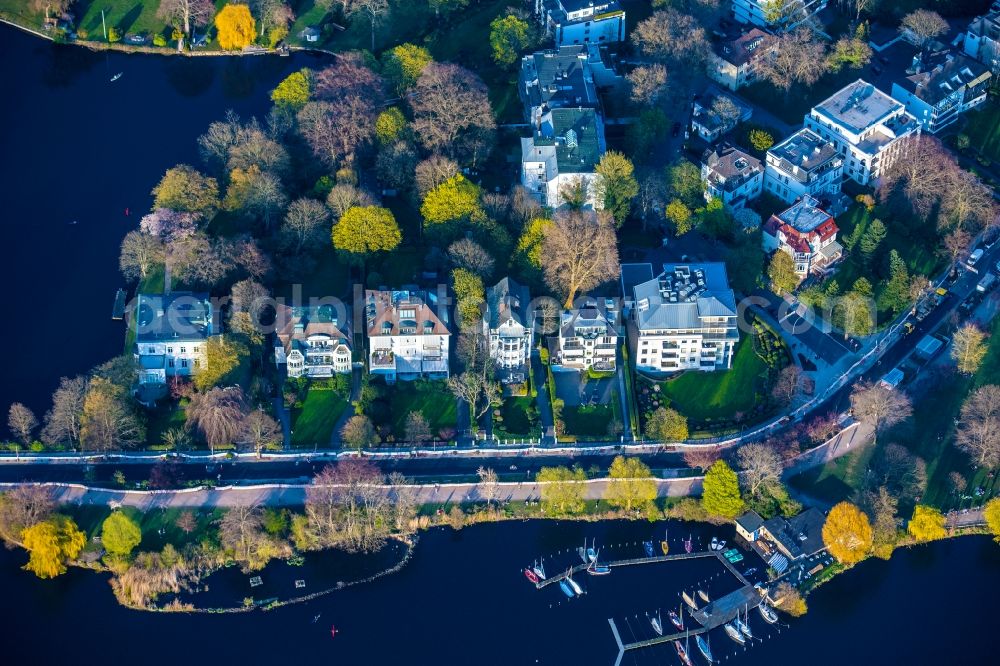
786,387
184,14
978,432
139,253
259,431
347,506
923,25
880,406
343,197
22,422
700,457
452,112
581,252
417,430
798,60
22,507
672,37
62,422
358,432
432,172
648,83
488,487
470,255
760,466
108,423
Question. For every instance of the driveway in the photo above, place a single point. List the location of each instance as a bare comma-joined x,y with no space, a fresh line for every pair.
574,391
828,347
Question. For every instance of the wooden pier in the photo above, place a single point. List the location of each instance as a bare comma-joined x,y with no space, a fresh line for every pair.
724,609
625,563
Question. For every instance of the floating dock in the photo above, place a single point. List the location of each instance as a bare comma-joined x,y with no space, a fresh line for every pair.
625,563
118,309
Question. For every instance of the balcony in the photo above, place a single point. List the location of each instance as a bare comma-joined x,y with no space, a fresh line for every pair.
383,358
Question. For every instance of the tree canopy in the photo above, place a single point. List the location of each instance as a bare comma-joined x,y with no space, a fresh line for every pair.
630,484
51,543
927,524
402,65
186,190
294,91
453,200
561,489
721,491
236,27
616,185
509,35
365,230
847,533
120,534
667,425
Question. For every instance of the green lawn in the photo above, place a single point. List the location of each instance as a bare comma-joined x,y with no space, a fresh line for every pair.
515,420
164,417
430,398
592,420
90,518
720,395
983,128
313,424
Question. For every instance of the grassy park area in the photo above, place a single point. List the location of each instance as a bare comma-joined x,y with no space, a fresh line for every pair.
983,130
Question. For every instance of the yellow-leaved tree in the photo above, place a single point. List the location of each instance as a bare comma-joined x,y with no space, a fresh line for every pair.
927,524
51,543
630,484
847,533
236,26
562,490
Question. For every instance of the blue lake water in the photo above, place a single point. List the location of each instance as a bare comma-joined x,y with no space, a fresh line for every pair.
463,600
77,147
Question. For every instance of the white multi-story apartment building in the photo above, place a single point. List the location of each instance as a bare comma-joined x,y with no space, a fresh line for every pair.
582,21
808,234
313,341
781,15
982,40
731,175
735,63
588,336
171,331
686,320
508,328
558,160
804,164
866,126
408,335
942,89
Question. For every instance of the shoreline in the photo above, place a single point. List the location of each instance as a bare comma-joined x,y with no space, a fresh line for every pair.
162,50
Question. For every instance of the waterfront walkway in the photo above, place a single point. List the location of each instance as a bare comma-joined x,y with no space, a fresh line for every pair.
294,494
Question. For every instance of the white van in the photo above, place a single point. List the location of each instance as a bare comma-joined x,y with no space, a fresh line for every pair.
975,256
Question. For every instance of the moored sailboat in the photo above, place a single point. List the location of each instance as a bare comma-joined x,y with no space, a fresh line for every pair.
742,625
656,622
689,601
704,648
664,546
734,633
767,613
566,589
677,621
573,584
539,570
704,596
682,651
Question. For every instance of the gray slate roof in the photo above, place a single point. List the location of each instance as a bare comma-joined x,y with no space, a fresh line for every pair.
178,316
587,132
557,78
507,299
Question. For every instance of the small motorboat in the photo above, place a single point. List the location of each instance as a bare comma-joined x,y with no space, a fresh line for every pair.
664,546
767,613
676,620
648,547
715,544
722,544
316,619
333,631
531,575
116,77
704,597
734,633
591,554
566,589
704,648
657,624
688,545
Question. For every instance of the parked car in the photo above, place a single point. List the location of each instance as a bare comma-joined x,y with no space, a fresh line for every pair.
976,255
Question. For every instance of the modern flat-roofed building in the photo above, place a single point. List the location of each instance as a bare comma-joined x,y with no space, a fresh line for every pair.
808,234
943,88
686,320
408,335
804,164
582,21
866,126
312,341
731,175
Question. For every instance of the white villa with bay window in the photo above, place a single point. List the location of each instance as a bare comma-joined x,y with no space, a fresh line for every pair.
588,337
171,333
507,326
314,342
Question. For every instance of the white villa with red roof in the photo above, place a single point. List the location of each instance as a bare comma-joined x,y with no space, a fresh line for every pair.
808,234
